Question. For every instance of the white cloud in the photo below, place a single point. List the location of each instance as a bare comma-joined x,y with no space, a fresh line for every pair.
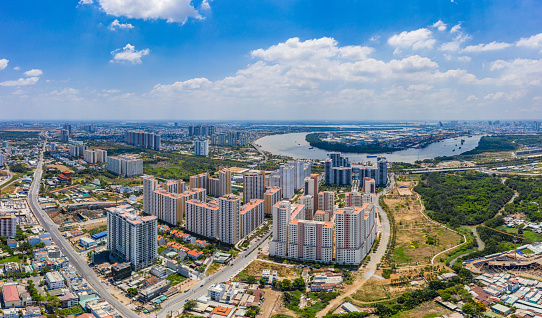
375,38
16,68
464,58
418,39
205,5
3,64
456,28
116,25
33,72
454,46
83,2
511,96
21,82
169,10
534,41
493,46
471,98
355,52
420,87
65,91
441,26
295,50
112,91
128,54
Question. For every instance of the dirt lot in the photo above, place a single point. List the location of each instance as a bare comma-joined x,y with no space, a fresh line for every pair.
62,168
256,267
372,290
425,310
418,239
273,305
60,216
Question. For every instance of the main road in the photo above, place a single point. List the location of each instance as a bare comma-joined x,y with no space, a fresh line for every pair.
175,305
66,248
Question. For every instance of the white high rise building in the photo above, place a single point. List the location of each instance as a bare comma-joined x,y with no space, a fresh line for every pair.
132,238
224,180
201,148
282,212
251,217
125,165
202,218
149,185
355,232
229,219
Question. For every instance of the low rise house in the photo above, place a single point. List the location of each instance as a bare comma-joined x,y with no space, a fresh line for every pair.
54,280
151,292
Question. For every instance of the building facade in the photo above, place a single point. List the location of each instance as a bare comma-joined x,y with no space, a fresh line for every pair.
253,186
125,165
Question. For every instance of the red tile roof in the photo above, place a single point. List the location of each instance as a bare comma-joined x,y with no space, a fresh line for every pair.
10,293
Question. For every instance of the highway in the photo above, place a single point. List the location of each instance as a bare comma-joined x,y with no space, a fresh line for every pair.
175,305
66,248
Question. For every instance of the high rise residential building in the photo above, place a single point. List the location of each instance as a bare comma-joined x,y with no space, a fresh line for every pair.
378,171
201,130
150,184
95,156
229,219
52,147
167,206
310,241
68,128
253,186
125,165
202,218
310,209
282,212
353,199
338,170
290,177
143,139
201,148
77,150
64,135
232,138
199,181
224,181
382,165
272,196
311,188
251,217
326,201
199,194
132,238
213,187
355,232
369,186
8,225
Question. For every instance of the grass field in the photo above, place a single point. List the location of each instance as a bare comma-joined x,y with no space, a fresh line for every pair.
175,279
372,290
213,268
14,258
418,239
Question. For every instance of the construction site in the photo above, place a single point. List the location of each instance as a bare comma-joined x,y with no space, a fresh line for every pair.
78,213
516,262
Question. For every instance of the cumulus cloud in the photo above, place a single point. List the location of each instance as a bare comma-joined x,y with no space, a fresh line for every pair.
534,42
464,58
83,2
169,10
116,25
493,46
471,98
33,72
21,82
205,5
128,54
454,46
16,68
441,26
3,64
455,28
511,96
417,39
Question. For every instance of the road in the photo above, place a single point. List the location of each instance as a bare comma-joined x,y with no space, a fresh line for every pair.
261,152
66,248
8,177
176,304
376,257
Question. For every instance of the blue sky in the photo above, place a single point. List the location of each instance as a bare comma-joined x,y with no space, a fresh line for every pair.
220,59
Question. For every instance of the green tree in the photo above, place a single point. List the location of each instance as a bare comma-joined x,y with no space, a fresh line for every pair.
299,284
191,304
132,292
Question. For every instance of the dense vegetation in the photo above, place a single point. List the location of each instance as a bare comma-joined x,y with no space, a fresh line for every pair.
529,197
315,140
467,198
503,143
17,135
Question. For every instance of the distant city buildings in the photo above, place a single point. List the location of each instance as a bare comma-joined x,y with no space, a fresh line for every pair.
339,171
201,130
125,165
143,139
201,148
77,150
253,186
132,238
64,135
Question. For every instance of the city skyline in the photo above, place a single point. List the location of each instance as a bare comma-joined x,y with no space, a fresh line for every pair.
128,60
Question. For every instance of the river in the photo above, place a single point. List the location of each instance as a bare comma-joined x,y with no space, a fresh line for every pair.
294,145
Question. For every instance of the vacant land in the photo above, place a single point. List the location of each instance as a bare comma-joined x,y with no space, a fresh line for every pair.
426,310
418,239
372,290
256,267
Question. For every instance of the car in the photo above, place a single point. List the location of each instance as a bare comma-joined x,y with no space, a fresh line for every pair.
185,300
201,286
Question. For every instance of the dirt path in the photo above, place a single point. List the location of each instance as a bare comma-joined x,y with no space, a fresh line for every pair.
481,244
